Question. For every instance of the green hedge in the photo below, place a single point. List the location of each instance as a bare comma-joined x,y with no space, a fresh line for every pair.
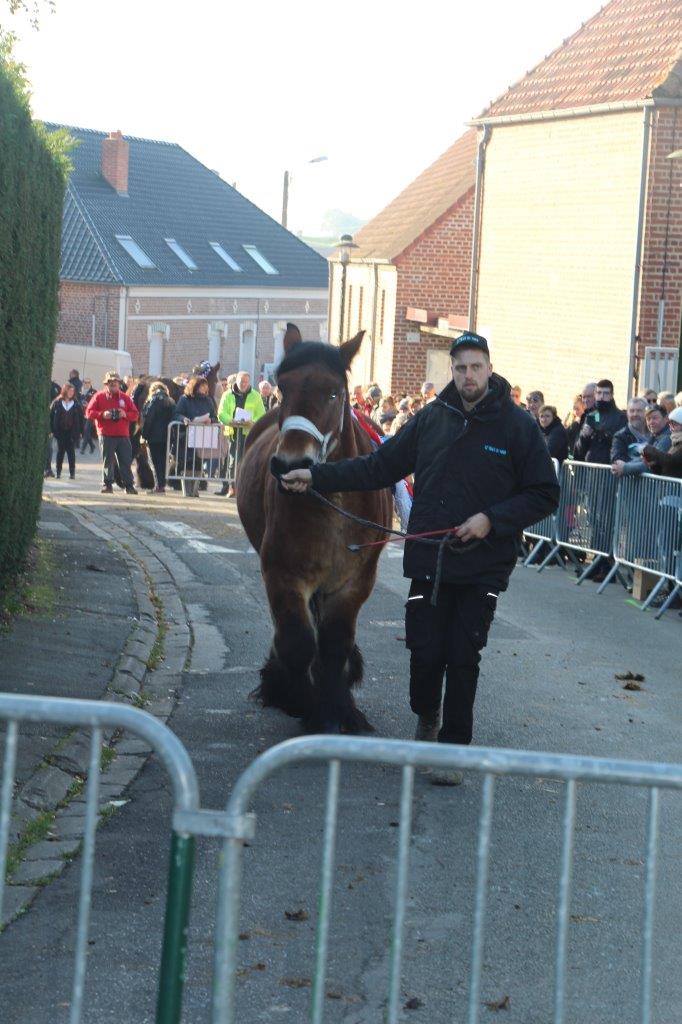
32,174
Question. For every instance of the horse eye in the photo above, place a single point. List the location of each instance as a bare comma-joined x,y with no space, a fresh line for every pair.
332,396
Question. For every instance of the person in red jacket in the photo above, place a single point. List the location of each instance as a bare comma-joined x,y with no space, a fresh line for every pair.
113,410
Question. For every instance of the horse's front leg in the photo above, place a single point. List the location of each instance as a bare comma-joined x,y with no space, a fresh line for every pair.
340,665
286,680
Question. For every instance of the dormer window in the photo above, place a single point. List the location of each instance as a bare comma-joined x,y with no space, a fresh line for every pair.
181,254
260,259
225,257
134,250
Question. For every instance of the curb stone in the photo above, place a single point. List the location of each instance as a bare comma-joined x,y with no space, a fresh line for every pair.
152,570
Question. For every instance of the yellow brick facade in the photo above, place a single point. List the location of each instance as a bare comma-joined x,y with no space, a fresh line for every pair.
558,237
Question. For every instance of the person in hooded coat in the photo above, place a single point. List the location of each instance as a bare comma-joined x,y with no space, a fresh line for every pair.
481,469
554,433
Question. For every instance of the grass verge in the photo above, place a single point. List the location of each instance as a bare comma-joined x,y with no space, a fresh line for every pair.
32,591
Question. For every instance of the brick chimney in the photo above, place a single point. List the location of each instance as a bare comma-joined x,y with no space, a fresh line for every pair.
115,162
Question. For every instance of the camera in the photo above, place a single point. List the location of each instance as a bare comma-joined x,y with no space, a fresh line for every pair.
115,414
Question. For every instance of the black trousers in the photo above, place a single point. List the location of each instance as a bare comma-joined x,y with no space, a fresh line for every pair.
157,450
447,641
117,449
66,445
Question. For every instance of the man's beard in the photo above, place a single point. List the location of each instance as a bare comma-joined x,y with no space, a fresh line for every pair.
473,395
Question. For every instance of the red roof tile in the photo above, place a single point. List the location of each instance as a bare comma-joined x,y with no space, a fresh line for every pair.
630,50
426,199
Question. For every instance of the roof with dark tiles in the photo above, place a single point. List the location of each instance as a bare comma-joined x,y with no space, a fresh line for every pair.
172,195
630,50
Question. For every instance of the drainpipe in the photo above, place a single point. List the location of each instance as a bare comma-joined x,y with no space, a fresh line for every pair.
638,249
375,306
476,240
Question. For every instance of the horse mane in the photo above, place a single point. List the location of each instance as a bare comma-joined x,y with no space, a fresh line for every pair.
306,353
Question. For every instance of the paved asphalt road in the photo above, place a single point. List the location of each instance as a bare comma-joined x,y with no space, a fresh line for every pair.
547,683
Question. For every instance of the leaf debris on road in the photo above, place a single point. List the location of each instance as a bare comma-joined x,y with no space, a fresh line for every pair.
499,1004
296,915
294,982
636,677
413,1004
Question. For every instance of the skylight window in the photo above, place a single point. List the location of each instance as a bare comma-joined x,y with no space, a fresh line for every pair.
181,254
134,250
225,256
260,259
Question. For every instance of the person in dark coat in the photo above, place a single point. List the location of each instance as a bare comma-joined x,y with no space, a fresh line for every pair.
74,378
66,425
157,413
554,433
194,406
88,440
599,427
481,469
667,463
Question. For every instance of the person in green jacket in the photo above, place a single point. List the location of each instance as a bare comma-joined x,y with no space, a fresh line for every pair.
240,396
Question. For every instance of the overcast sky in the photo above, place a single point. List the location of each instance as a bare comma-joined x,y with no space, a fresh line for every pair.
379,87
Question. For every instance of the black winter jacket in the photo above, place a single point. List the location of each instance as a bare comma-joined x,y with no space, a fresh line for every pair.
157,414
65,423
492,459
604,422
556,439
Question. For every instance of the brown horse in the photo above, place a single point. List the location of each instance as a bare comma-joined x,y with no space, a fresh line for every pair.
315,585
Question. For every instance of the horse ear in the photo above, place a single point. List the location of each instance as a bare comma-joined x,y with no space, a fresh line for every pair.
292,336
350,349
216,367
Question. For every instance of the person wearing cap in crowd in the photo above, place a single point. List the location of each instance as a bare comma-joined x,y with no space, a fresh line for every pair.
112,410
373,404
402,416
481,469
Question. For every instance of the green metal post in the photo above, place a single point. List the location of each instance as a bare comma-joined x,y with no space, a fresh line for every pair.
172,974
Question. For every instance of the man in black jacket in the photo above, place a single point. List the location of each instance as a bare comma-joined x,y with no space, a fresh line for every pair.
601,424
480,467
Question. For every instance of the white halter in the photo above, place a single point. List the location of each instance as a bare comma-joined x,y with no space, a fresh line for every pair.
308,427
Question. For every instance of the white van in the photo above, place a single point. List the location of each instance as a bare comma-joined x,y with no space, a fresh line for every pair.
91,362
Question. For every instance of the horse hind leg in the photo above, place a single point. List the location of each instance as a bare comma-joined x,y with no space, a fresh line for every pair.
355,669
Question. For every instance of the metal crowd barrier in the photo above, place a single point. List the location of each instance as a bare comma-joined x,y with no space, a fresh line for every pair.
648,532
408,756
236,826
202,451
99,716
543,534
636,521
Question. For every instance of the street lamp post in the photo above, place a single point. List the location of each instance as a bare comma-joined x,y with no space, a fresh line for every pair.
346,244
285,189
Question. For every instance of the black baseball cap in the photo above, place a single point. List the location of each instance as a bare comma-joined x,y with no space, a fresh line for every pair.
470,340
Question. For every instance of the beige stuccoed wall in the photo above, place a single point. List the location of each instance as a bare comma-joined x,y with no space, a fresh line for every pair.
558,242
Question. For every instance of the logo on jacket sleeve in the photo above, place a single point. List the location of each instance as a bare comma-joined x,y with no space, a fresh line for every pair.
494,450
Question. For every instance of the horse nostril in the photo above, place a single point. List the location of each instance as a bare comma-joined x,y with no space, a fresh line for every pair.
278,465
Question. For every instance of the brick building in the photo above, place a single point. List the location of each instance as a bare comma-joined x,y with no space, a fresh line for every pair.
579,271
163,259
407,283
572,215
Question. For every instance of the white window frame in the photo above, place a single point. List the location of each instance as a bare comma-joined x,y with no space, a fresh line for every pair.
225,257
135,251
181,253
258,258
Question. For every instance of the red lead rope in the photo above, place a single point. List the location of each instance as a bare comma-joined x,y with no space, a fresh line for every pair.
410,536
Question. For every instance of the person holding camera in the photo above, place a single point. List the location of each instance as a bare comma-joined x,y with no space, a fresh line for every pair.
601,423
112,410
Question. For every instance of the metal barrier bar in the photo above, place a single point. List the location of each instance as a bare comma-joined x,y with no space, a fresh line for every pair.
649,900
324,904
410,755
8,770
406,792
482,862
88,858
544,532
564,903
99,716
202,451
586,513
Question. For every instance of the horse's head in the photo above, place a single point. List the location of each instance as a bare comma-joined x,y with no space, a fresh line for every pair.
312,380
